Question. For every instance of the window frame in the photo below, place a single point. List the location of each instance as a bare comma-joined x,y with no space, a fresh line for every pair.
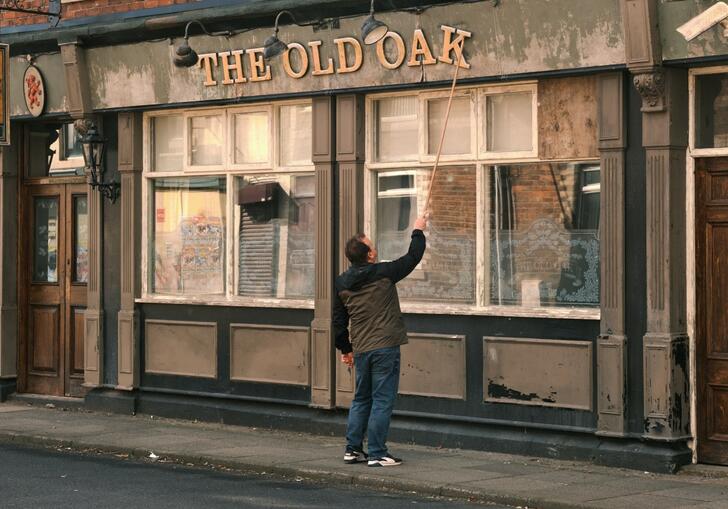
481,160
229,171
693,110
424,141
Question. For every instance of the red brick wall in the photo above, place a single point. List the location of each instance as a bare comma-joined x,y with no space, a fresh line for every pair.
80,9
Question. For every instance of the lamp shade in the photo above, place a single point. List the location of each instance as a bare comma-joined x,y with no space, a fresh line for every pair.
185,56
94,147
372,30
273,46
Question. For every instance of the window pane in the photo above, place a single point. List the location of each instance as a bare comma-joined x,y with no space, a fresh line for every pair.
396,136
295,135
509,122
544,235
711,124
275,236
72,144
457,136
188,224
80,239
169,146
45,240
206,138
447,271
251,137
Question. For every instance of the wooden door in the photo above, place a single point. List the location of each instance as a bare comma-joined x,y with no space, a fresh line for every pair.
54,271
711,274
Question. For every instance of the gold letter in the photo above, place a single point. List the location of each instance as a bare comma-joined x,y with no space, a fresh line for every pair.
448,45
344,66
317,70
206,61
399,44
258,65
420,47
227,66
287,60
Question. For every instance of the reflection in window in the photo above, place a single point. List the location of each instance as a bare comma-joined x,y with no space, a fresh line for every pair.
45,240
295,135
206,140
447,271
711,123
544,234
188,224
275,235
80,239
70,142
509,122
457,136
396,134
168,142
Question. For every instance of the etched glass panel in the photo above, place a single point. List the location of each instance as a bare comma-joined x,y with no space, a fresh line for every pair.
276,221
188,225
544,234
168,142
251,137
396,129
711,110
457,135
80,239
295,135
206,136
45,239
509,120
447,271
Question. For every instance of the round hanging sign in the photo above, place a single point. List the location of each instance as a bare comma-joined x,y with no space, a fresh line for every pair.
34,91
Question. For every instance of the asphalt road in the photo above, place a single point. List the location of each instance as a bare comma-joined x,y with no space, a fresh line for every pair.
36,478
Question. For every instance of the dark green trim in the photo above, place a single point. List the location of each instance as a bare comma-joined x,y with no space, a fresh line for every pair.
7,387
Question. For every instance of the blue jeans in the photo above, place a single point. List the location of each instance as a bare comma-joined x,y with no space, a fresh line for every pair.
377,382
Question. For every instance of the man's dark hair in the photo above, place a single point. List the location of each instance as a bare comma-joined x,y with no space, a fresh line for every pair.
356,251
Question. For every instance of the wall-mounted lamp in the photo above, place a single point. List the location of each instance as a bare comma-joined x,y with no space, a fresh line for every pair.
94,149
185,56
273,46
372,30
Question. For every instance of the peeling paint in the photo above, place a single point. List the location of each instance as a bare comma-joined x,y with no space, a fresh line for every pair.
500,391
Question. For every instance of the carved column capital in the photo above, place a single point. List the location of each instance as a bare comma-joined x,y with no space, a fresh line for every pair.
651,86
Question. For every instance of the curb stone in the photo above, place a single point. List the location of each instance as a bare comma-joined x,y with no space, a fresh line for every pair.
363,480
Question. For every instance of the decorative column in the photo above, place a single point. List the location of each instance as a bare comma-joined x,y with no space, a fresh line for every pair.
322,341
612,341
8,267
130,168
79,106
665,347
350,129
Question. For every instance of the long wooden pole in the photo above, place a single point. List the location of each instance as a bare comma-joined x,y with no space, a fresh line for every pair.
444,130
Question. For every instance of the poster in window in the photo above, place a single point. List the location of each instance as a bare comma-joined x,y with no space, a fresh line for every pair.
4,112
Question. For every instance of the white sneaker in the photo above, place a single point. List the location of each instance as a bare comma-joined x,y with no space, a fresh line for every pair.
385,461
351,456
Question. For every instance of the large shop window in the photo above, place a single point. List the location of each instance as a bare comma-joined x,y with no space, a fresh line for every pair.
230,209
507,229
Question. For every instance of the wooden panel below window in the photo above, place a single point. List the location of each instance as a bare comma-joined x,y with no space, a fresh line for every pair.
263,353
180,348
44,338
433,365
543,372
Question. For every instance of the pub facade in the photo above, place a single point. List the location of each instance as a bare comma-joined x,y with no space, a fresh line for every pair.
569,302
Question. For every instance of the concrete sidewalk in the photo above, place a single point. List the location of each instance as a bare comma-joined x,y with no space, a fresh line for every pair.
480,476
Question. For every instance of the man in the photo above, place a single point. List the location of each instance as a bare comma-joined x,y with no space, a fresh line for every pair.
366,296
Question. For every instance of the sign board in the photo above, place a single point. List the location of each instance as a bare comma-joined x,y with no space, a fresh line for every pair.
34,91
4,96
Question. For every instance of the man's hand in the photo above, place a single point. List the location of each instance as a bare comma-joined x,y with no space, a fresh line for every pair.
348,359
420,223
